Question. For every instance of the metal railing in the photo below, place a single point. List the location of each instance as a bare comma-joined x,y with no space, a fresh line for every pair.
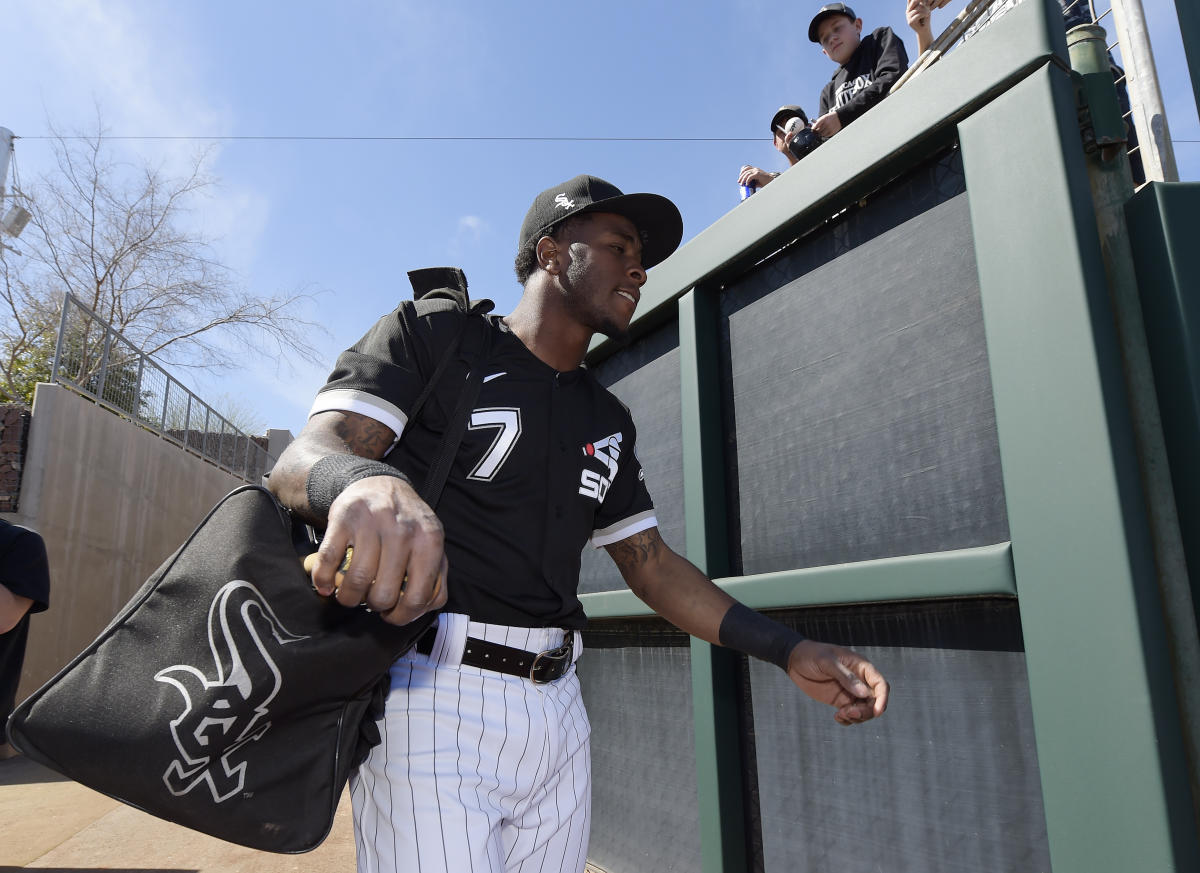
95,360
1142,107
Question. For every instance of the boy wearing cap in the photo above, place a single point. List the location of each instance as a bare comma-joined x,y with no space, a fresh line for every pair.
484,761
868,65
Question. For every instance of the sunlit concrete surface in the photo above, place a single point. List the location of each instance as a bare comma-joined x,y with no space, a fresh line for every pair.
52,823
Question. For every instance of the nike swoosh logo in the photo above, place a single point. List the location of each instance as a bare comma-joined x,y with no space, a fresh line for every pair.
495,376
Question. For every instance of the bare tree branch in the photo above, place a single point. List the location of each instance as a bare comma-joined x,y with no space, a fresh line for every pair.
119,238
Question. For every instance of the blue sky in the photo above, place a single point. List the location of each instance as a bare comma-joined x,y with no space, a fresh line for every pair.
349,218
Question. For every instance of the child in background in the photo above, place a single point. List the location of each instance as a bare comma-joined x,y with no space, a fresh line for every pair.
868,66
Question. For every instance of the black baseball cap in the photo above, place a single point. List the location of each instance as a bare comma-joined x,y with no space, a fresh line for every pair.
786,112
656,218
824,12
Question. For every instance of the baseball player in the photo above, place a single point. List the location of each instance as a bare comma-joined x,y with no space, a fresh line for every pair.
484,759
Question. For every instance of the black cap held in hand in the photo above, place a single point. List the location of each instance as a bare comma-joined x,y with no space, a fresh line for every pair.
823,13
656,218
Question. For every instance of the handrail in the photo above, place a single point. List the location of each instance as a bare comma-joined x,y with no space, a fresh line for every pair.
92,358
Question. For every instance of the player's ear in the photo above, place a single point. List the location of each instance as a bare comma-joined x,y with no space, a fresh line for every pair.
858,26
547,254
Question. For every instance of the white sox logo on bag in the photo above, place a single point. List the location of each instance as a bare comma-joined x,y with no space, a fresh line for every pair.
608,450
222,715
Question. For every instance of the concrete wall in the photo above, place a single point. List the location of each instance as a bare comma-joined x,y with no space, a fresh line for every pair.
112,501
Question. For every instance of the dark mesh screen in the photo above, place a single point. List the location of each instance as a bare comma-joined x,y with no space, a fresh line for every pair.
857,388
645,377
638,690
947,781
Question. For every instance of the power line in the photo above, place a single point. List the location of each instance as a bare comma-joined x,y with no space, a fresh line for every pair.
420,138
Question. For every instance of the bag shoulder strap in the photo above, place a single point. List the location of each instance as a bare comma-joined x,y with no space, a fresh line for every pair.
450,283
476,348
443,283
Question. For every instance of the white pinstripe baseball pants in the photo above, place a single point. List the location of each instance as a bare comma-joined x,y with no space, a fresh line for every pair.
477,771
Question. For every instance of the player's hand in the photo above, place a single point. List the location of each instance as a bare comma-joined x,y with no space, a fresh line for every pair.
754,176
827,125
399,566
841,678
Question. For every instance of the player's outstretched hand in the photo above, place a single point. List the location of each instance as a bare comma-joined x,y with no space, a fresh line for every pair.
841,678
399,567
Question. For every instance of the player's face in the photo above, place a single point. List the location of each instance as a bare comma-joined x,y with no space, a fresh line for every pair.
839,37
602,274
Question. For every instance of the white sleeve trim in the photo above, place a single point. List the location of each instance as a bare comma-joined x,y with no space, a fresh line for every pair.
626,527
362,403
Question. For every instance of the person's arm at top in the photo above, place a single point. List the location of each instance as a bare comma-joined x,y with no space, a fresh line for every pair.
676,589
332,474
920,19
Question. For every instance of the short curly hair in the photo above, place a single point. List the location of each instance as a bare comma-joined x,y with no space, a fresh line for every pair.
526,261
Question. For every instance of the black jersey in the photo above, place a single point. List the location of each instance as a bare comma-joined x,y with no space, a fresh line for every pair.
546,464
866,77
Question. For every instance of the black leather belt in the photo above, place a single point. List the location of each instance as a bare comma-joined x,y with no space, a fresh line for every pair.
539,667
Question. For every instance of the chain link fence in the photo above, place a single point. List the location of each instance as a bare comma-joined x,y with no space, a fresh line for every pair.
95,360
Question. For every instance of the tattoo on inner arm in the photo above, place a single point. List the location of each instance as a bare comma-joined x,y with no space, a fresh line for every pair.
635,551
364,436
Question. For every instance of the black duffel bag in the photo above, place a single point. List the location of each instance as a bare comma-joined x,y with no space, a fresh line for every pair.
227,696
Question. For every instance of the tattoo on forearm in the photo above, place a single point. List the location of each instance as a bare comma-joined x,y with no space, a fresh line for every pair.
364,436
634,551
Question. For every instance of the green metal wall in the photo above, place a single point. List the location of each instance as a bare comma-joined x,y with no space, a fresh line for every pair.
1114,778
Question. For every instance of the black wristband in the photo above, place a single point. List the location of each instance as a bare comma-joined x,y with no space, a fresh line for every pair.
333,474
747,631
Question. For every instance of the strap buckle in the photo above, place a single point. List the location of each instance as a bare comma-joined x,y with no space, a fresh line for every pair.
553,662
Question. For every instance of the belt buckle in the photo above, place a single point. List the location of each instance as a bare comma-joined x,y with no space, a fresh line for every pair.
551,655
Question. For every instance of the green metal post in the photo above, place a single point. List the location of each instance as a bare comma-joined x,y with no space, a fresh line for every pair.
1106,716
1164,224
1112,188
714,669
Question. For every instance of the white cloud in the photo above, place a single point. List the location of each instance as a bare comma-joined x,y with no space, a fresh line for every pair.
470,230
472,226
